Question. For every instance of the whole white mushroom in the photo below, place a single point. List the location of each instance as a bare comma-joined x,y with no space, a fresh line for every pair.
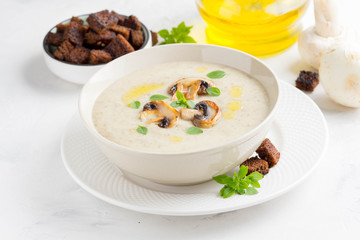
328,31
340,74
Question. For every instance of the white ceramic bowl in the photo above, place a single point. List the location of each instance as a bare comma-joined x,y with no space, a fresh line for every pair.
188,167
78,73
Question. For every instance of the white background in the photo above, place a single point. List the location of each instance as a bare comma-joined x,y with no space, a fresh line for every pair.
39,200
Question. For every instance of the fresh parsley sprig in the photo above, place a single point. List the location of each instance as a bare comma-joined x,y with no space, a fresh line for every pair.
182,102
179,34
239,183
135,104
216,74
213,91
158,97
194,130
142,130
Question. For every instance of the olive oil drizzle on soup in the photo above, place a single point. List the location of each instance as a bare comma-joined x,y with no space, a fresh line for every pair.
243,102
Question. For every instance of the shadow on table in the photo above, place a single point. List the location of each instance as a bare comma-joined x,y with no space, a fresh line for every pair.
299,65
39,77
214,226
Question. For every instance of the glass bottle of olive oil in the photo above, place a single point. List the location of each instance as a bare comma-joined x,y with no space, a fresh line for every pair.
259,27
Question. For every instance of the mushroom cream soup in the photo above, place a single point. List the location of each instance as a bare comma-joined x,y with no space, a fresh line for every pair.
243,104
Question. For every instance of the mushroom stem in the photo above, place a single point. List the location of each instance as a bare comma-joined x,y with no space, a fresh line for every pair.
327,32
189,114
327,18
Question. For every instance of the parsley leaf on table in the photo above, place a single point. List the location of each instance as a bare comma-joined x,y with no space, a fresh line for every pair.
179,34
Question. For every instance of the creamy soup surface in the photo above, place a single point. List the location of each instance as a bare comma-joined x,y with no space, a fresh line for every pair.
243,102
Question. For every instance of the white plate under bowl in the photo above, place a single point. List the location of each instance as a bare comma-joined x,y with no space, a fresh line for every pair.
299,132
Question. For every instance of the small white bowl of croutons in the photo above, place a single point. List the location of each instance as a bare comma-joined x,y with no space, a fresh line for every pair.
78,47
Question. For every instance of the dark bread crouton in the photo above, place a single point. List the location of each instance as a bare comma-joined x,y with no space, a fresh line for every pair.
60,28
63,51
136,38
307,81
100,20
268,152
121,30
74,33
121,18
96,40
85,28
154,38
256,164
99,56
114,34
79,55
118,47
132,22
78,20
54,39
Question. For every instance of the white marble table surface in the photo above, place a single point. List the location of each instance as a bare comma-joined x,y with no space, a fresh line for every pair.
39,199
